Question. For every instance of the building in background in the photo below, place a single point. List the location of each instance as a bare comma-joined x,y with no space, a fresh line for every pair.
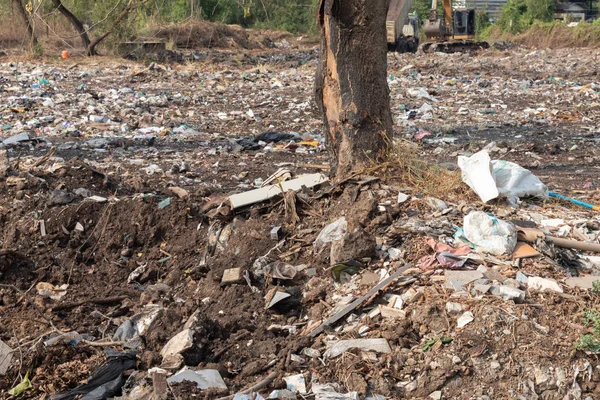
572,10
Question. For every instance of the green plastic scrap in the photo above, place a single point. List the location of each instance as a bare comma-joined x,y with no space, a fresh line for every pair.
446,339
429,344
165,203
44,81
21,387
350,267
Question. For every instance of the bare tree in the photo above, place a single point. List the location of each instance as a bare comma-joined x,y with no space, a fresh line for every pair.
85,39
351,83
90,45
131,6
23,13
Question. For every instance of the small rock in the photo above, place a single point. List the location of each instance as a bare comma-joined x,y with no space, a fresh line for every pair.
4,163
541,377
513,283
178,343
454,308
402,197
354,245
295,383
171,363
508,293
464,319
83,192
394,253
126,253
411,386
494,275
464,277
180,192
412,295
282,394
276,233
312,353
437,395
232,275
59,197
495,365
482,288
521,277
456,360
436,204
456,285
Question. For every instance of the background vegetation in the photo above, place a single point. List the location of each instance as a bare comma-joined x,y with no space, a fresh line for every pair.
529,19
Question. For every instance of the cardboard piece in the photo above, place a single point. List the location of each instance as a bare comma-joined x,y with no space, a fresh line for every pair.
267,192
523,250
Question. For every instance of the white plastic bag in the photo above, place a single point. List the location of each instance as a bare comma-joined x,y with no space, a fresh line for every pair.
490,234
477,173
490,179
331,233
514,181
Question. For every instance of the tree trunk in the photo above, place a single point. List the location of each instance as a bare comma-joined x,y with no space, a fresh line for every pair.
85,39
21,10
131,5
351,84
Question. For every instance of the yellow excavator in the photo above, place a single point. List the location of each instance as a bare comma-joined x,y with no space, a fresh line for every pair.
452,33
402,28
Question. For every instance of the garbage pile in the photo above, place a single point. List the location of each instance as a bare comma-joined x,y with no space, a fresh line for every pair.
172,232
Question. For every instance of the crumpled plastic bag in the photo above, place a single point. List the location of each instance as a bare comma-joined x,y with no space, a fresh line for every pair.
445,256
332,232
491,179
514,181
490,234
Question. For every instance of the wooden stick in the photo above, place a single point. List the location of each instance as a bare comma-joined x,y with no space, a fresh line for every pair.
315,166
45,158
574,244
358,302
256,387
531,234
108,300
102,344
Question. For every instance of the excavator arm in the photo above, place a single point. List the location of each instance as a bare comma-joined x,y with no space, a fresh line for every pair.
439,29
449,35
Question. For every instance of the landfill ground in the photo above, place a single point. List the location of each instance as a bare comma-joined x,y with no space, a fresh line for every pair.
114,213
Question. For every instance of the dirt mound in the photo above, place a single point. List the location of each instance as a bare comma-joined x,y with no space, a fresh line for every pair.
560,36
203,34
553,35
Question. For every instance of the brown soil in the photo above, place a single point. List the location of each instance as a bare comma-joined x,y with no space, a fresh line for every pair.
204,34
503,353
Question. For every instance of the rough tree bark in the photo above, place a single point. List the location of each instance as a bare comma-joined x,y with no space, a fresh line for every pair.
85,39
351,83
21,10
